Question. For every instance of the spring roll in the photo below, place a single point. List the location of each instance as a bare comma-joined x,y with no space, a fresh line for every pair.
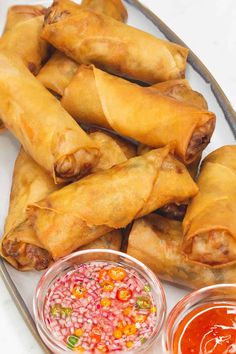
57,73
83,211
95,97
157,242
20,13
20,245
92,38
210,224
46,131
30,183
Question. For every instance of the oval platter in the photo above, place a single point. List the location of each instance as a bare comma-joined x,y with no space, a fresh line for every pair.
21,286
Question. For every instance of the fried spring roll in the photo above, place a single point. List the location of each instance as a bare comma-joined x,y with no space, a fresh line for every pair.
20,13
59,69
92,38
157,242
85,210
20,245
210,223
95,97
46,131
30,183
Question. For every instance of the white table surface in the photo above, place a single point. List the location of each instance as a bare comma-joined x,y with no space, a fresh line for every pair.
208,27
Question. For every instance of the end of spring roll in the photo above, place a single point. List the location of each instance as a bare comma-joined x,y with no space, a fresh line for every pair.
157,242
210,223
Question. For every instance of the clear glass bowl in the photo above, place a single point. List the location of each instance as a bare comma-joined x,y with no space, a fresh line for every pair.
221,293
66,264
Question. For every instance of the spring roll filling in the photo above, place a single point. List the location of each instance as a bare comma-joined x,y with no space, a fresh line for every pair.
173,211
76,165
213,248
26,254
199,140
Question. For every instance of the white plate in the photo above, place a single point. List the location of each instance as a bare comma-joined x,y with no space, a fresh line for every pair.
22,285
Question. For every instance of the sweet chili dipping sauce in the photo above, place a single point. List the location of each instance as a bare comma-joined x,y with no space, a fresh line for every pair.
100,307
208,329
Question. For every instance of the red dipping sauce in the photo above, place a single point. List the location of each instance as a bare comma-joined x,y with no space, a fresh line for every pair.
208,329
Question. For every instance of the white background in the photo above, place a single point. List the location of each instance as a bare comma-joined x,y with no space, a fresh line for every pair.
208,27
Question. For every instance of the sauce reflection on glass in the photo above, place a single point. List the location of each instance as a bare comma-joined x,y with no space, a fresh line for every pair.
208,329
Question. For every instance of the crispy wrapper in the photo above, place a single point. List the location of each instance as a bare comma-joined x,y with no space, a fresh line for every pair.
210,224
95,97
46,131
15,15
92,38
112,8
157,242
182,91
57,73
111,241
85,210
20,13
21,247
24,41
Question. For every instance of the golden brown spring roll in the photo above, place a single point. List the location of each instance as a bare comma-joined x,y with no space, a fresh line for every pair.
85,210
210,223
30,183
95,97
57,73
20,13
20,245
24,41
157,242
92,38
46,131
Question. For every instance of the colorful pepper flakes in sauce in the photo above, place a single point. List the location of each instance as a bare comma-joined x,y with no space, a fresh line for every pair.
100,308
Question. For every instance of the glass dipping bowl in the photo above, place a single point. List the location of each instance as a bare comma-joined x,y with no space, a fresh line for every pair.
67,264
221,293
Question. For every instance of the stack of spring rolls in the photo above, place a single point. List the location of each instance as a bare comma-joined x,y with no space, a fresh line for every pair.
134,161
